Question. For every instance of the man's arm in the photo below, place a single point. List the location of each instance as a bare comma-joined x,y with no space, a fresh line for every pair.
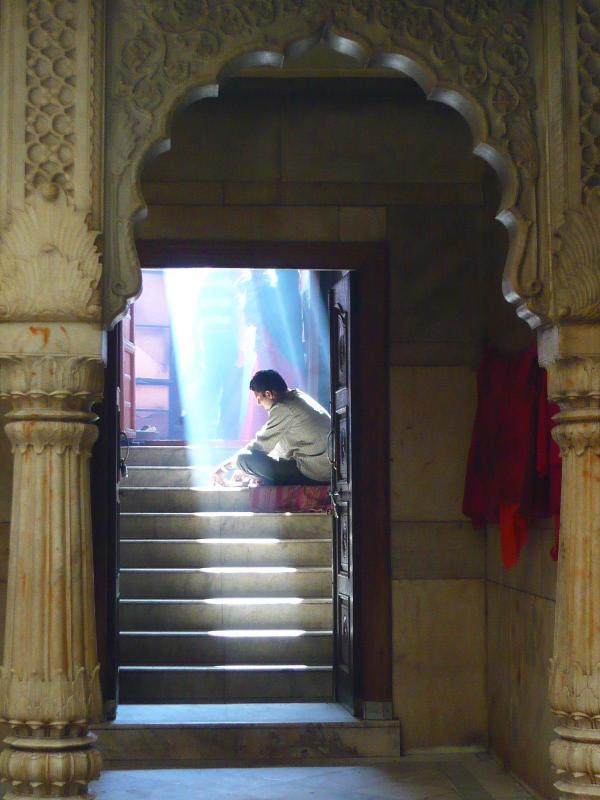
271,433
265,441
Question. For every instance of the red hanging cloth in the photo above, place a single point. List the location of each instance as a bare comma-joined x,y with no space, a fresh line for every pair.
511,472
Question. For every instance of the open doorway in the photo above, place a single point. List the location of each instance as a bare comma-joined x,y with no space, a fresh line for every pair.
225,592
359,669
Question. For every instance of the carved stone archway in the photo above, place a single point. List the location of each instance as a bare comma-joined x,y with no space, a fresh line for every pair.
524,74
473,56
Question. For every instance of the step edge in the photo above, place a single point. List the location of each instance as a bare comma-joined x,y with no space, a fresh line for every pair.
214,540
306,633
363,723
245,569
210,601
255,669
204,489
196,514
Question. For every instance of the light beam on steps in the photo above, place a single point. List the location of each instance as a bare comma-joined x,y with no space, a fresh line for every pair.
226,514
223,570
227,601
247,634
256,601
242,633
228,541
249,570
219,540
228,667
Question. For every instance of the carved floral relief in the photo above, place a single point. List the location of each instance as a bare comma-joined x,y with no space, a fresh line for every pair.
577,263
164,48
49,265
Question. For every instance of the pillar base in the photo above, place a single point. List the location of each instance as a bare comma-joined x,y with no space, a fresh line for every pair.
39,768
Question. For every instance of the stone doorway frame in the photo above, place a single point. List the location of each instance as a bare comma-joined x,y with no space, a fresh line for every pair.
373,679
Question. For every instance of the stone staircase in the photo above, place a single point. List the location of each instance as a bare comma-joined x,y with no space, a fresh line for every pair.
218,604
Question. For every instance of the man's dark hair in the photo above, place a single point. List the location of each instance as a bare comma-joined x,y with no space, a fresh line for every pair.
267,380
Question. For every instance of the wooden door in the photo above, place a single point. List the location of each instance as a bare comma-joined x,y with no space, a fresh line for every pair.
105,524
127,383
345,656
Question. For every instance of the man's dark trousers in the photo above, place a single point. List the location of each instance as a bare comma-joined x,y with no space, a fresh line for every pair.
274,472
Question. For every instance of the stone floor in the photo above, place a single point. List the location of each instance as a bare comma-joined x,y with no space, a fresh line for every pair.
474,776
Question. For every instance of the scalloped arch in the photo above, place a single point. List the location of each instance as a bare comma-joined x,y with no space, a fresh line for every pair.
473,57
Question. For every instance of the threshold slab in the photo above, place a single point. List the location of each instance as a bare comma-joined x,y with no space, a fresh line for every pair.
231,712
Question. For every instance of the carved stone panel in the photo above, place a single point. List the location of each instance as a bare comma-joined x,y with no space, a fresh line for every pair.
576,256
51,78
588,45
476,56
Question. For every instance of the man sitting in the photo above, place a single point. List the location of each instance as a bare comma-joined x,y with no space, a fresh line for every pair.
291,447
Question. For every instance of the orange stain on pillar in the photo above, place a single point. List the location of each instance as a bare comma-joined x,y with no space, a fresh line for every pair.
44,332
593,472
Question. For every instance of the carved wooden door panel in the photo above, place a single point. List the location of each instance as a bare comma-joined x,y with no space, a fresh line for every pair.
127,383
340,303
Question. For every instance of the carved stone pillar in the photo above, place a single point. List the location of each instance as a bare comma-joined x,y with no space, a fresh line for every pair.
52,372
49,679
51,155
571,354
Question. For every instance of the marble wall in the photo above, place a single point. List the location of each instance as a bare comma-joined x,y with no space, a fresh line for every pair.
519,631
520,618
437,561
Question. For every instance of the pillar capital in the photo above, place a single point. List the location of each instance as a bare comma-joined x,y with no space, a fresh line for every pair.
51,370
561,344
571,357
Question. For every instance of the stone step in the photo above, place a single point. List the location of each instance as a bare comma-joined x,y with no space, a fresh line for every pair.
225,524
193,745
166,476
226,582
226,612
226,647
215,599
135,498
225,683
173,455
225,552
